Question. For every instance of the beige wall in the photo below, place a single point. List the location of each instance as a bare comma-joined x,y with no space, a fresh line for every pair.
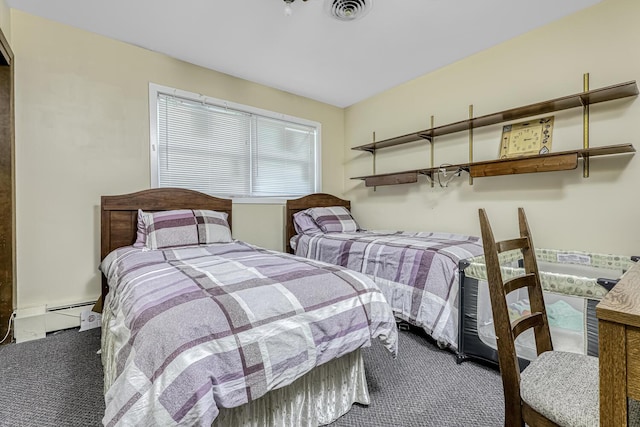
262,225
82,130
600,213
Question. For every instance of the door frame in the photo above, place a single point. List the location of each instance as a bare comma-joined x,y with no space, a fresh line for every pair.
7,187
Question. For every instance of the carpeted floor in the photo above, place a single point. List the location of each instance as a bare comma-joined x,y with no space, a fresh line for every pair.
57,381
425,387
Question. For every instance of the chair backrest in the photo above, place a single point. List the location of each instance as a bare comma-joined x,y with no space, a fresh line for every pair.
507,331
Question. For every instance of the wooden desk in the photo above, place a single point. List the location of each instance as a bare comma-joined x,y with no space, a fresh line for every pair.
619,345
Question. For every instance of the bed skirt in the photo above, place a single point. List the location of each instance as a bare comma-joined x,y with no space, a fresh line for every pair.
319,397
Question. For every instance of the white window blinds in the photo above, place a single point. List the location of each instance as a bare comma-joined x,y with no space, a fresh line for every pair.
228,152
284,153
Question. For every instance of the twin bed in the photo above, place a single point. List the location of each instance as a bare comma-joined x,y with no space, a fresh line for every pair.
199,328
417,272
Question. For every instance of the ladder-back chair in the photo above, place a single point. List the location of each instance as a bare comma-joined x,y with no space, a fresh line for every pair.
557,388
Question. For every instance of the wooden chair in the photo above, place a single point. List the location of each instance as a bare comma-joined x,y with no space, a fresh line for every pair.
557,388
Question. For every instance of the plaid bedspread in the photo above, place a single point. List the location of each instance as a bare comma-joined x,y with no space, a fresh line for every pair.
186,331
417,272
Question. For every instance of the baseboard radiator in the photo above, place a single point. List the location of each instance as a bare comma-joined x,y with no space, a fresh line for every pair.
35,322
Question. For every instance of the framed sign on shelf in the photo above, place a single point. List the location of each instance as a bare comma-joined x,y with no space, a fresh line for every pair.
528,138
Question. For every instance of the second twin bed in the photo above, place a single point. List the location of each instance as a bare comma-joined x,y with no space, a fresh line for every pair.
416,271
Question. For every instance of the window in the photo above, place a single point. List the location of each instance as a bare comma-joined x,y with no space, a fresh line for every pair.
230,150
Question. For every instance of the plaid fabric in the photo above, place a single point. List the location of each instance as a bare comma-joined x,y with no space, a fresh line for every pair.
189,330
304,223
185,227
334,219
417,272
141,234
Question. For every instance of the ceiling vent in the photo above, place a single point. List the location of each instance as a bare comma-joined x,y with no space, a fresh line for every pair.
347,10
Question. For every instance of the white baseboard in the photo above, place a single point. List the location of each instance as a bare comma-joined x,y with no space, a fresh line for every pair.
35,322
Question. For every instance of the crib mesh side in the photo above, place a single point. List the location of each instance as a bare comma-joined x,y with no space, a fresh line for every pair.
582,291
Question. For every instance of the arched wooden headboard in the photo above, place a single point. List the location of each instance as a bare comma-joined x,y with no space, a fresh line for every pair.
119,214
311,201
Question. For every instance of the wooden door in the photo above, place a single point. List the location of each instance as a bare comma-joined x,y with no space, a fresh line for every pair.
7,187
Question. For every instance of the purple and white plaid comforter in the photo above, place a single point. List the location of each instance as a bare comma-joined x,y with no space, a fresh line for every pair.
417,272
188,330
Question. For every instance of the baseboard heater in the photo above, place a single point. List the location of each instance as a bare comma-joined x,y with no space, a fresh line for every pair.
34,323
67,307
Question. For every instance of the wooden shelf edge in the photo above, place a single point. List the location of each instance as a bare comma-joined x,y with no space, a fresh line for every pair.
392,142
608,93
382,175
546,163
606,150
392,179
563,160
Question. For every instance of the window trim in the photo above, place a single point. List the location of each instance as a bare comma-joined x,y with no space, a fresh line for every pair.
155,89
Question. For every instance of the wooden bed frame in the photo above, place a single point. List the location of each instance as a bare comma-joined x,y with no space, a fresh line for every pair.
311,201
119,216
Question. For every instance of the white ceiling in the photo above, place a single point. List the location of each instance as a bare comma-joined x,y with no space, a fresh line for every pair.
309,53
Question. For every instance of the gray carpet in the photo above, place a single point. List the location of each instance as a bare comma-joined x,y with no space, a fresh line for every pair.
425,387
57,381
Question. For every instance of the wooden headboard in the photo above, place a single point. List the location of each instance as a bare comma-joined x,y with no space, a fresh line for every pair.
119,214
317,200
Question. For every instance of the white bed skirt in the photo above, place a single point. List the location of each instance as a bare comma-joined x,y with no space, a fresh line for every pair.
320,397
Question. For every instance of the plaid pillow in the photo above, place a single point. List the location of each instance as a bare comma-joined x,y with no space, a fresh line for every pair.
185,227
141,234
333,219
303,223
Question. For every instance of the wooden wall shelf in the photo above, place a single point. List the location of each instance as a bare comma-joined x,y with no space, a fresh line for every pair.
609,93
564,160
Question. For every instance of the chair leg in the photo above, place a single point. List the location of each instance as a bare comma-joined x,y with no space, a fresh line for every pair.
534,419
513,417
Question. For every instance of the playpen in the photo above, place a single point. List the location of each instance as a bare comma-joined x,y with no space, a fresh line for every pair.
573,283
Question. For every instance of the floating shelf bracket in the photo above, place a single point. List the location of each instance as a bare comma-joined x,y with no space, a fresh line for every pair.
585,127
470,140
431,143
373,152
